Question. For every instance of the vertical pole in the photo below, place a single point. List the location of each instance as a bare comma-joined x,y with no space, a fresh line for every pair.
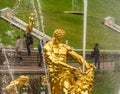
84,32
46,72
66,42
72,5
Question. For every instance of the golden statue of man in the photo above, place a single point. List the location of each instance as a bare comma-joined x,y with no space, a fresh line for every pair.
62,75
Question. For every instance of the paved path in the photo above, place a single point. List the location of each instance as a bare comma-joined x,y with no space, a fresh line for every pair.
107,65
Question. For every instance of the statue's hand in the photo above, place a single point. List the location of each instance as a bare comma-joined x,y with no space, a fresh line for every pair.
91,69
92,66
73,69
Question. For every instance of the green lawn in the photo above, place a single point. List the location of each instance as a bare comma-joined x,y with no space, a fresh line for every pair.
54,17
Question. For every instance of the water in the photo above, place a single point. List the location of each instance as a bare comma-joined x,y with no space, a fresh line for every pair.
38,15
1,42
84,30
75,5
39,24
119,91
39,19
42,29
10,33
16,6
41,16
9,69
4,83
5,79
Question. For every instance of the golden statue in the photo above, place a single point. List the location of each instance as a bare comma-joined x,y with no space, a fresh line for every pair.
17,84
66,79
7,15
30,23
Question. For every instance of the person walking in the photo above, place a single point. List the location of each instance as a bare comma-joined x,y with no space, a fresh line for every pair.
40,63
29,42
96,53
19,48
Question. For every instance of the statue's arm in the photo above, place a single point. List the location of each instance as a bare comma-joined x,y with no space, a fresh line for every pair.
65,65
77,57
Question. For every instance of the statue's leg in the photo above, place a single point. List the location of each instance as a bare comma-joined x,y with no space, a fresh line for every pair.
67,86
57,88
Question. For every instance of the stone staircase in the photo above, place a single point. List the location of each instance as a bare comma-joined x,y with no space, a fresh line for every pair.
31,60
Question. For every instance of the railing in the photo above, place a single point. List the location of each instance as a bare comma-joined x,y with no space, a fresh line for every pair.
109,59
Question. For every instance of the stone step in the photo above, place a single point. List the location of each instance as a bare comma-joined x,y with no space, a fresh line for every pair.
22,63
31,60
33,53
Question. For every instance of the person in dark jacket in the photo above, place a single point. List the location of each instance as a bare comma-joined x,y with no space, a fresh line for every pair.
97,55
29,42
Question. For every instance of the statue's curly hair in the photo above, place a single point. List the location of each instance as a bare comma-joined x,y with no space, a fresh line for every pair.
59,33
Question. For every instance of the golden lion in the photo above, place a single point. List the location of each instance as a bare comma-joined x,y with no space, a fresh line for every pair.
16,85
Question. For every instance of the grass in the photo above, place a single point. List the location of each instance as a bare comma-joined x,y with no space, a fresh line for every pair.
54,17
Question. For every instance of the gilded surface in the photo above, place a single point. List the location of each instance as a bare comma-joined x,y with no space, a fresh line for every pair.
7,15
30,23
17,84
66,79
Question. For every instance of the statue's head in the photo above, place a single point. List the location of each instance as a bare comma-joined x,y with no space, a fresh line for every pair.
59,35
24,79
20,82
32,14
